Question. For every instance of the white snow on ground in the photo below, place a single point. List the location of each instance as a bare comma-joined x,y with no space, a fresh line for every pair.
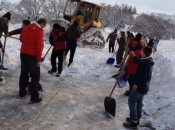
160,101
75,100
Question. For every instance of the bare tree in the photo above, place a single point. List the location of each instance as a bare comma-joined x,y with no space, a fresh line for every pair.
117,16
53,9
4,6
30,9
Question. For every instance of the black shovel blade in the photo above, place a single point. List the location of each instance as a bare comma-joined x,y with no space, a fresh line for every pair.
110,105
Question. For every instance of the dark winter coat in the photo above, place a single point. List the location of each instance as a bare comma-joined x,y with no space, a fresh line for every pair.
14,32
3,27
73,33
112,38
122,43
143,74
151,43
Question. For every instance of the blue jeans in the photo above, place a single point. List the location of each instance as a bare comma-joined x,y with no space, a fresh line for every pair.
135,105
28,65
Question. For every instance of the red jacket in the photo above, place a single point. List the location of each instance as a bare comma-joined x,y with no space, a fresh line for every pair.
59,44
142,42
131,67
32,40
131,40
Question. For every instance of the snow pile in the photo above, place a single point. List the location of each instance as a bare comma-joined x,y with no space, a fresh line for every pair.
160,101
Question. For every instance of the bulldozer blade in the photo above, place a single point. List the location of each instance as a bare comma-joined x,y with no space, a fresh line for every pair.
110,105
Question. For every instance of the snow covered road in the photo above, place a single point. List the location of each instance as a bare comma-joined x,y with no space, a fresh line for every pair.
68,104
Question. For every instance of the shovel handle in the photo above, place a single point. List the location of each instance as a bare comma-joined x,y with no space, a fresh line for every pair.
125,56
47,51
3,52
114,50
123,68
12,37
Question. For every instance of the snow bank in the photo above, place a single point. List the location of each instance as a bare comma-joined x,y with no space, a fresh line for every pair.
159,104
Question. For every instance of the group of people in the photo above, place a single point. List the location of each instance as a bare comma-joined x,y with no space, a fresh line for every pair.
31,37
138,71
63,41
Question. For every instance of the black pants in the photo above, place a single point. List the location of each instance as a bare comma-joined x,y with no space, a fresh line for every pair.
111,46
130,82
120,55
72,47
60,55
28,65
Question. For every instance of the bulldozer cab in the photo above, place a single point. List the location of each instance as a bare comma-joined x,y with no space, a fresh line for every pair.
86,14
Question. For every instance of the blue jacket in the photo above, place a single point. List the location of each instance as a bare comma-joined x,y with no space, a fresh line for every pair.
143,74
155,45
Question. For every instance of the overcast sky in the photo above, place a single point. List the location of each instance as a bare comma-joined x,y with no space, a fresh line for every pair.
157,6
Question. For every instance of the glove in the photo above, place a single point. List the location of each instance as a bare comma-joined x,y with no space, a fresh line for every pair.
59,35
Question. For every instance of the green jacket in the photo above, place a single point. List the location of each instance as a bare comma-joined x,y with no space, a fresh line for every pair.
122,43
3,27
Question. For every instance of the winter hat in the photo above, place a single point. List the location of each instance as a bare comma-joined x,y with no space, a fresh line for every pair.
63,29
7,15
56,26
137,39
76,23
139,35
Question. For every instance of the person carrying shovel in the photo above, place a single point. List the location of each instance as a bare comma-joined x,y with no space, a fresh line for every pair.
4,28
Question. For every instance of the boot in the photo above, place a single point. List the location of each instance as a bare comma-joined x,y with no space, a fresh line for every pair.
132,125
1,79
52,71
39,99
128,120
127,93
58,74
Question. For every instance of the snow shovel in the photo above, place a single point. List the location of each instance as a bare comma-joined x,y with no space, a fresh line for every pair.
43,58
112,59
2,66
109,102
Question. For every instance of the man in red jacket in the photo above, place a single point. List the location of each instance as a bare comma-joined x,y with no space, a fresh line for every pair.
58,38
31,51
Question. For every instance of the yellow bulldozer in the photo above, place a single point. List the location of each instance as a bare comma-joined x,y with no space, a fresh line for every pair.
87,14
